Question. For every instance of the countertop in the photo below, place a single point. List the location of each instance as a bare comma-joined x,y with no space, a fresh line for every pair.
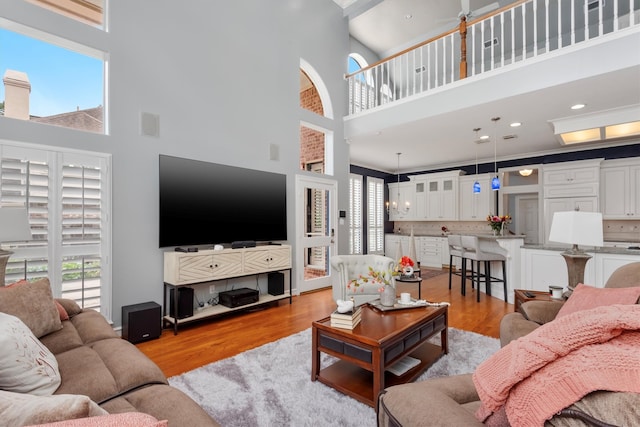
601,250
481,235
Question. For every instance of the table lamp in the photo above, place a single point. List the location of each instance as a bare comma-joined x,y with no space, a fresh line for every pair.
576,228
14,227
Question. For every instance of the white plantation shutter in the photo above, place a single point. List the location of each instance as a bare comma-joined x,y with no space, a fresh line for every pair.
375,215
81,227
355,214
67,199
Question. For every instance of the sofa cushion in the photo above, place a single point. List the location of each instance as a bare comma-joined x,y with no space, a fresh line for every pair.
585,297
165,403
70,306
83,372
63,340
26,365
32,302
128,419
19,409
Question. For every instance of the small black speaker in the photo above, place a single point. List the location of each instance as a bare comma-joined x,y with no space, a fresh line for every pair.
185,302
141,322
275,283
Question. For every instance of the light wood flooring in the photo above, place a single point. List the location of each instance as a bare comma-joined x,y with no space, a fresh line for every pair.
200,343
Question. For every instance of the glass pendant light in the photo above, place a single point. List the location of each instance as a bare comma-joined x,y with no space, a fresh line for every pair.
495,181
476,185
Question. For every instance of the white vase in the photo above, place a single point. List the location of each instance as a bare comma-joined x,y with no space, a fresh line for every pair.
388,296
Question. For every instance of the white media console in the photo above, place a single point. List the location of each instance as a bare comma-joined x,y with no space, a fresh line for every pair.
192,268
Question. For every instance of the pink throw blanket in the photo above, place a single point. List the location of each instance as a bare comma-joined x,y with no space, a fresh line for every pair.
556,365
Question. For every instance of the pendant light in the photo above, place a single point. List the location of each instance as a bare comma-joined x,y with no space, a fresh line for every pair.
495,181
396,205
476,185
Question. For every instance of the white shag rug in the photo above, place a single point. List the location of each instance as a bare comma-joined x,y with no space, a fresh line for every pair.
271,385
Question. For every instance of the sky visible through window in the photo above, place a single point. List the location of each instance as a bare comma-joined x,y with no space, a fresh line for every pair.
61,80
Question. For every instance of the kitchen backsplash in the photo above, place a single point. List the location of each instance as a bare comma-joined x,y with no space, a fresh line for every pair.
613,230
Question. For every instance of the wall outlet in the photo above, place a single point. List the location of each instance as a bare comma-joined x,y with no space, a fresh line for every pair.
212,289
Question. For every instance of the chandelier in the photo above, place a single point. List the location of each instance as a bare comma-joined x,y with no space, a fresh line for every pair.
394,206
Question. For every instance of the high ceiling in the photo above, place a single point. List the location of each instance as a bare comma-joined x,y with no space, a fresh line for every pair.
447,138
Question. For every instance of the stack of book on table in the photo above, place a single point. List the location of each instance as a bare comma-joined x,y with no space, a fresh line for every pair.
347,320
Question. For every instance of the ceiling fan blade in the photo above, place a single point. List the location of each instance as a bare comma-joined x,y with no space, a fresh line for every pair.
485,9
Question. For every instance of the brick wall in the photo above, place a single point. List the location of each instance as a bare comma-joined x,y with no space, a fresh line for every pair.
311,141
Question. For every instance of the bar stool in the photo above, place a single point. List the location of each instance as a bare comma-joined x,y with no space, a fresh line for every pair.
456,249
477,255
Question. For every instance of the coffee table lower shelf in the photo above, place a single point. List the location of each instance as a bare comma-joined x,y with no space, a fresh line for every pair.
357,382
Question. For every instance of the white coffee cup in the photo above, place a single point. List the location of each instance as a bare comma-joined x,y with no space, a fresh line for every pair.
405,297
555,292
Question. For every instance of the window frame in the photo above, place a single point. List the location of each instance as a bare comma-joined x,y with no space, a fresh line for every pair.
375,215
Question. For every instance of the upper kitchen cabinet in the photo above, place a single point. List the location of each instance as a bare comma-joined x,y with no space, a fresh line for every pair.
619,188
572,179
442,195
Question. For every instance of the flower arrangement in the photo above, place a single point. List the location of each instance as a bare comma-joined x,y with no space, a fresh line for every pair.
496,222
374,277
445,230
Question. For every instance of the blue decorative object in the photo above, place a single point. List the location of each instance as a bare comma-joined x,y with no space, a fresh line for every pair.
476,187
495,183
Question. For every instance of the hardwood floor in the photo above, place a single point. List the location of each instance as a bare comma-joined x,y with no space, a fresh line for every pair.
211,340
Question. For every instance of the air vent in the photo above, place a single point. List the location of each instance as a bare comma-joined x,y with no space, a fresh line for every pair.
512,136
488,43
420,69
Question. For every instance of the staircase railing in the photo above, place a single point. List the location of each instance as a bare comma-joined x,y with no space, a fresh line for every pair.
510,35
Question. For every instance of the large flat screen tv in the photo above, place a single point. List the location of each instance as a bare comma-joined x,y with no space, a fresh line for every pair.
205,203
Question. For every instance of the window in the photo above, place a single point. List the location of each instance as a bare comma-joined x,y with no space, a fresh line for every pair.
69,222
375,215
355,214
52,85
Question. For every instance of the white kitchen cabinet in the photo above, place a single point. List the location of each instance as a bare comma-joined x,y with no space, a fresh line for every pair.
401,201
420,191
542,267
572,172
429,251
442,196
391,242
475,206
619,186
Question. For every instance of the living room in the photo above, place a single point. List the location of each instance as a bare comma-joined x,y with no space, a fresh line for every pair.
222,80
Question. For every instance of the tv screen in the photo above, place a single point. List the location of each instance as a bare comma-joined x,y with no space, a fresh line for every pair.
208,203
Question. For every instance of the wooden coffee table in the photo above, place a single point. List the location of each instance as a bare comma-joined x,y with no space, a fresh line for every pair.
377,342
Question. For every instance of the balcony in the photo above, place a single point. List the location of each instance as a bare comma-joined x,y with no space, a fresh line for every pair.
527,33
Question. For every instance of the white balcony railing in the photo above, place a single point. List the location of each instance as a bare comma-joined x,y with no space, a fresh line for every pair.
510,35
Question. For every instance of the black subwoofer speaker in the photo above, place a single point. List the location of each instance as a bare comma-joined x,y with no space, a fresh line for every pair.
141,322
185,302
275,283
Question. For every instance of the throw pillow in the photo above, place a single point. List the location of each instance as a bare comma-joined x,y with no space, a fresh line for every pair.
585,297
32,303
26,365
126,419
17,409
61,310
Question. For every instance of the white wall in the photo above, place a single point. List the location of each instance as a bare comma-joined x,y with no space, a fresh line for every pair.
223,77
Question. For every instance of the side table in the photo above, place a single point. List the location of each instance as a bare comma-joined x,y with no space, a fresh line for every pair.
415,279
520,297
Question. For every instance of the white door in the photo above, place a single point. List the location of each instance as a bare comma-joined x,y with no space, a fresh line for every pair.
316,213
527,214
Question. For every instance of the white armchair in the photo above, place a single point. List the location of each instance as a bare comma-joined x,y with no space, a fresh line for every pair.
348,267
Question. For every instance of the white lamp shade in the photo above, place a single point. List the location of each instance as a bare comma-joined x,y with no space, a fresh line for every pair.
14,225
577,228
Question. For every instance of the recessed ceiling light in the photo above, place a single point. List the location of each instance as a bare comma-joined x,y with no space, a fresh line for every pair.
484,137
578,106
408,16
515,124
